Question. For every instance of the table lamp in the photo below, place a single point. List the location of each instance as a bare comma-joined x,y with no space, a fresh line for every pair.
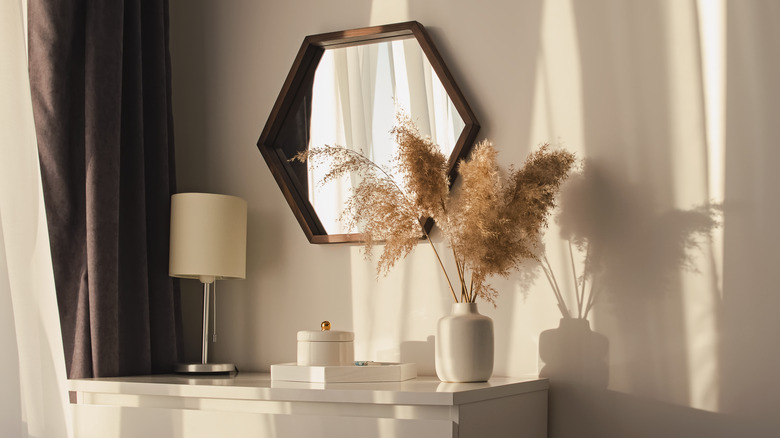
208,243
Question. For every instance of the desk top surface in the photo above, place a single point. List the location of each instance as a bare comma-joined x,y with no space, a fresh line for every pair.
423,390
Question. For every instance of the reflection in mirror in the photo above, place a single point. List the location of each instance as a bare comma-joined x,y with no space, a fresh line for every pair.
356,93
344,89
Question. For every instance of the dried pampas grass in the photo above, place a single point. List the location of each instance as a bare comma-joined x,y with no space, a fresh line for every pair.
493,222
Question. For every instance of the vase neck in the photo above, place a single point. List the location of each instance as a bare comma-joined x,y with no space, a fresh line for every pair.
578,323
464,308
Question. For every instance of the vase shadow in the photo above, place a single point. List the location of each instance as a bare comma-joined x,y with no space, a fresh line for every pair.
421,353
572,353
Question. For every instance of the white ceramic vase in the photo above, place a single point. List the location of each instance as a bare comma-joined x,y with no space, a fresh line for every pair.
464,345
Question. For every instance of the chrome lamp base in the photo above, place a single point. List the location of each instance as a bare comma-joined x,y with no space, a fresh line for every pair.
205,368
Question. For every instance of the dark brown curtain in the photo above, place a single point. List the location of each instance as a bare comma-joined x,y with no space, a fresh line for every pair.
100,79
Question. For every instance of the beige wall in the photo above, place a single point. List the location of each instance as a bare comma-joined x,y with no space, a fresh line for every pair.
692,352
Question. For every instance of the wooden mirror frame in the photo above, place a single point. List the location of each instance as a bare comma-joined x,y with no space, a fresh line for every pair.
293,91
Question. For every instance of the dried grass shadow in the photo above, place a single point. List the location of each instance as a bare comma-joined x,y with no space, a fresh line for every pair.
634,253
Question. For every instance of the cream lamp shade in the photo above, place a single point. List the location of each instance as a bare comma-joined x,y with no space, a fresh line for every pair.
208,237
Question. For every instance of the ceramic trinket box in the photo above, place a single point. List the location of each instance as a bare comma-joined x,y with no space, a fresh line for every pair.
326,347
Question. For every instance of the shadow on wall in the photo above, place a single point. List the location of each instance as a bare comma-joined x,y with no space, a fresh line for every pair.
632,251
609,414
677,340
750,350
421,353
633,257
574,354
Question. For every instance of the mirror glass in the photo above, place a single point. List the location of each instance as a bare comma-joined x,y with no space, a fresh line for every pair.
344,89
355,95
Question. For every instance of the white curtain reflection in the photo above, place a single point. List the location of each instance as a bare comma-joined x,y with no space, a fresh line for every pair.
357,91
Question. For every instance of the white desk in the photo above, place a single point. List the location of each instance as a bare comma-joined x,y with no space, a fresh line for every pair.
251,405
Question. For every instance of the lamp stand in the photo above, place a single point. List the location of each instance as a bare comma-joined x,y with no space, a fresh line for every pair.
204,367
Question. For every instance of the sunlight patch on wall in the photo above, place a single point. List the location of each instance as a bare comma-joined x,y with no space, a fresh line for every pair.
388,11
687,151
557,113
395,316
712,34
530,309
692,160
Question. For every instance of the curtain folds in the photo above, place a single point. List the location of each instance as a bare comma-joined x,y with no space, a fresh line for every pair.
100,80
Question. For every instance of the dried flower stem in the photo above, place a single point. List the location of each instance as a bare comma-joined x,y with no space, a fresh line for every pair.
428,238
465,294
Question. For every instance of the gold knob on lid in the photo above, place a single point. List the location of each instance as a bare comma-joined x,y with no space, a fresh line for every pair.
325,325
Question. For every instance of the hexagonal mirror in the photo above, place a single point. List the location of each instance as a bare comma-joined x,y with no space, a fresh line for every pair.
344,89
